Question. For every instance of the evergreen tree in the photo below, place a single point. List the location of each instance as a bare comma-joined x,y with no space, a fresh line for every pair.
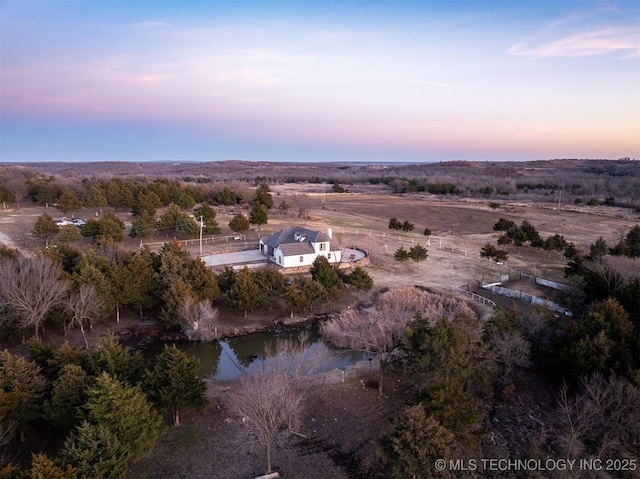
418,253
301,293
91,229
44,191
599,248
120,193
90,274
187,226
95,452
244,292
258,215
45,227
407,226
141,280
208,215
122,290
417,441
185,201
44,468
68,201
174,384
504,225
602,342
451,406
69,393
263,196
488,251
51,359
24,377
202,280
225,197
95,197
401,254
173,298
360,279
126,413
240,223
296,299
271,284
69,234
325,274
143,226
531,234
145,202
111,228
172,265
225,278
120,363
168,221
632,242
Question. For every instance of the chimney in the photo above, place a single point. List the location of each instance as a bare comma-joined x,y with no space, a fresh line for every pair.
329,233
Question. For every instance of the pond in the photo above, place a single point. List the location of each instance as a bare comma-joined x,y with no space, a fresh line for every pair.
227,358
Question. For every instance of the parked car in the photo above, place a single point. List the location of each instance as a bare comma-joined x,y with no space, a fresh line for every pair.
63,222
79,222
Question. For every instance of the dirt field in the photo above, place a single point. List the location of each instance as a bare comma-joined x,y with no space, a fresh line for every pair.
345,420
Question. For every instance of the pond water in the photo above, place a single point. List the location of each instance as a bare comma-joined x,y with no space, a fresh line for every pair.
227,358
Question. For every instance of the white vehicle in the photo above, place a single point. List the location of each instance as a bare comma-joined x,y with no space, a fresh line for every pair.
79,222
63,222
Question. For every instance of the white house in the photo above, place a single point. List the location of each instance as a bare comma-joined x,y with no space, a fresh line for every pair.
297,246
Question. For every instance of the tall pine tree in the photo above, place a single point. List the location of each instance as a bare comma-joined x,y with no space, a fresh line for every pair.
173,383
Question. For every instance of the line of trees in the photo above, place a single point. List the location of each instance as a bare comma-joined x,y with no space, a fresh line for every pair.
61,286
268,289
65,287
108,405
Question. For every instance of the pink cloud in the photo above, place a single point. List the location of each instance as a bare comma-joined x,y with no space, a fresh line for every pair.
597,42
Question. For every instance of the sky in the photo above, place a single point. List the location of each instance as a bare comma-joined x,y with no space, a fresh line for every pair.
309,81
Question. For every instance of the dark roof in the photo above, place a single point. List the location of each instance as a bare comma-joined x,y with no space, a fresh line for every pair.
293,249
288,236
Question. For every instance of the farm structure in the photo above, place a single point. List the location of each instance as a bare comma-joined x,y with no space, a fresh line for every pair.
298,246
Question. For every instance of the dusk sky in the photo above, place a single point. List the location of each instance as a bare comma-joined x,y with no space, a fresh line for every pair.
319,81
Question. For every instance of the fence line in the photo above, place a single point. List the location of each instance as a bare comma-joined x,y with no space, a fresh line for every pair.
505,277
205,240
474,296
529,298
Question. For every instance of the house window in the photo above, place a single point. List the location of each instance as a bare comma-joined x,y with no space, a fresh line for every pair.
322,246
329,256
301,259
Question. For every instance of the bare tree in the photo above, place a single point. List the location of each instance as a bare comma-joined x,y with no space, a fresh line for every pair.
18,189
269,399
302,204
85,305
198,319
7,433
30,287
602,419
511,351
604,267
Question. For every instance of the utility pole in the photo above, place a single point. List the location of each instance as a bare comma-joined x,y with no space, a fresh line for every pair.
201,226
559,200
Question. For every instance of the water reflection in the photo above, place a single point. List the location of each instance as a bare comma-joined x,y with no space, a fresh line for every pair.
226,359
